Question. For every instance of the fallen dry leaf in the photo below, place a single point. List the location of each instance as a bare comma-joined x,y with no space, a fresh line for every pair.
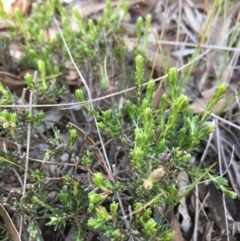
201,4
10,80
3,24
11,5
182,183
9,224
175,226
191,18
7,5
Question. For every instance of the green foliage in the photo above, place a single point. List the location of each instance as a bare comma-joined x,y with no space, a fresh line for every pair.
142,33
90,43
72,202
160,143
44,89
7,96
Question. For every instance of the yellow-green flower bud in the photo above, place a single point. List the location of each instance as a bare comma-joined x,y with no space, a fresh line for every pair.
154,177
13,117
114,207
157,174
2,120
79,94
221,89
13,125
6,125
148,184
173,75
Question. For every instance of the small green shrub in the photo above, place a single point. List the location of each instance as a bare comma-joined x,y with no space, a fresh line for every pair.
159,144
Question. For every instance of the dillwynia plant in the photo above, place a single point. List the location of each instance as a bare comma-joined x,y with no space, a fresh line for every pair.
160,145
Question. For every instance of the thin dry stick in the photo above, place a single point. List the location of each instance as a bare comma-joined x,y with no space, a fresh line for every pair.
27,152
225,121
196,215
194,45
91,104
178,28
18,177
219,146
232,63
202,205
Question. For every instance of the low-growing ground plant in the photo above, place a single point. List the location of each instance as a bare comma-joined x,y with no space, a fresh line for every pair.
159,145
73,185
